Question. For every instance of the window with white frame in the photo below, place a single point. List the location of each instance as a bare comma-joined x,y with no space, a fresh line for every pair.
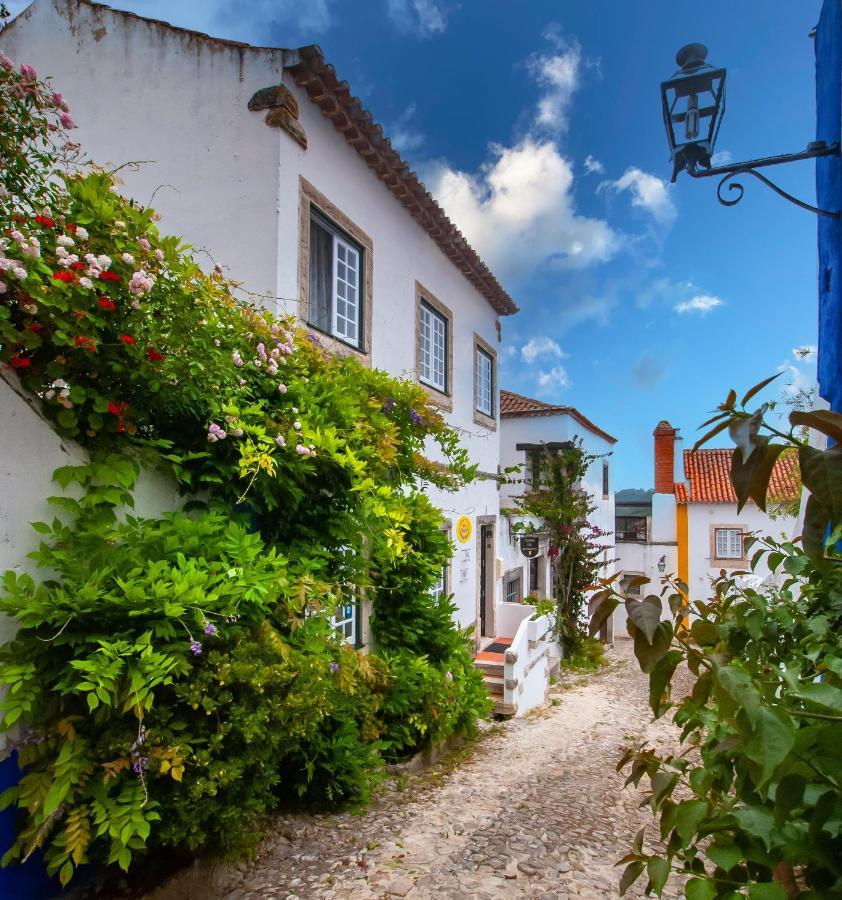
439,589
729,543
344,621
335,281
484,382
432,348
513,587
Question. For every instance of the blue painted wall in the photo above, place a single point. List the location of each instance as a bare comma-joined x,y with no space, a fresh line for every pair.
829,196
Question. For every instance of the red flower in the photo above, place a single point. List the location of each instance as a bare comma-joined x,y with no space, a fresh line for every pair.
117,409
20,362
85,343
105,303
154,355
37,327
72,228
46,221
64,276
78,266
109,276
127,339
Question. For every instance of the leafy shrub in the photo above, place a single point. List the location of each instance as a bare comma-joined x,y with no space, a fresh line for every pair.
179,676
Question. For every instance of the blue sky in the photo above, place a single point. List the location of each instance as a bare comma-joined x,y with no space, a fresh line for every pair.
537,125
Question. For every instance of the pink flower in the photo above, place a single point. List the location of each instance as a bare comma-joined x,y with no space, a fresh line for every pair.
67,121
282,388
144,244
6,63
159,255
28,73
238,360
57,99
280,441
301,449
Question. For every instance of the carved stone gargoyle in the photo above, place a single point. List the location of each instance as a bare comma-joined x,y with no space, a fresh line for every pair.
283,110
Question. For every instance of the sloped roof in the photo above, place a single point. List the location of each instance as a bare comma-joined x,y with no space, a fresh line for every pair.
334,98
516,405
709,476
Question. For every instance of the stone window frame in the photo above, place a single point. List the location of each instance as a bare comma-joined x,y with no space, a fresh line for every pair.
480,418
728,562
308,198
447,528
508,577
442,399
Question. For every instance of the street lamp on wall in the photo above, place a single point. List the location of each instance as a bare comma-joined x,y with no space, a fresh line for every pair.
662,565
693,104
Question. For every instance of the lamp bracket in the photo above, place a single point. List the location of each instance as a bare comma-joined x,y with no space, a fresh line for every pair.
814,150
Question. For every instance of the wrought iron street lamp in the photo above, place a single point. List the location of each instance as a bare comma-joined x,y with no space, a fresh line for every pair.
662,565
693,103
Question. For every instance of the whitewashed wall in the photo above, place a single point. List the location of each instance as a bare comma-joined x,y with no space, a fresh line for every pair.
229,184
702,516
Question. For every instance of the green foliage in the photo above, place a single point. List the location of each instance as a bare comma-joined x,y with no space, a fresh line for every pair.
554,496
589,656
754,807
179,677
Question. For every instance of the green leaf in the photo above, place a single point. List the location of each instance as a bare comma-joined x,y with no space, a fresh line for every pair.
699,889
726,856
602,613
768,891
659,679
822,694
757,822
821,472
816,522
750,477
704,633
648,654
632,872
646,614
737,684
822,420
687,818
658,870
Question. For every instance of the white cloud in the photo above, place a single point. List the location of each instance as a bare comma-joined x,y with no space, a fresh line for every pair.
648,192
721,158
423,18
558,74
556,377
702,304
519,213
541,347
593,165
403,136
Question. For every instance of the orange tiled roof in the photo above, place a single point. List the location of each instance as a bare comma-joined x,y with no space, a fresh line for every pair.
515,405
709,475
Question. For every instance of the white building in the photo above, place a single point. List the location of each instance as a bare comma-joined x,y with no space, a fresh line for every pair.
691,527
267,164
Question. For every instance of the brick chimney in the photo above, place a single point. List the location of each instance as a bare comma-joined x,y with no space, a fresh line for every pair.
665,458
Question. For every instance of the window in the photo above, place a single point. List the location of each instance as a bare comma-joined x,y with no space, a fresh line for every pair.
344,621
604,480
335,281
630,528
512,587
729,543
485,383
439,589
432,347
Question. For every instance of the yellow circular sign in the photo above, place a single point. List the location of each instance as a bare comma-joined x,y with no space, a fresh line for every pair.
464,529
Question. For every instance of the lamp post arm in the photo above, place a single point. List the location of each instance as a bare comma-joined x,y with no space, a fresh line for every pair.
814,150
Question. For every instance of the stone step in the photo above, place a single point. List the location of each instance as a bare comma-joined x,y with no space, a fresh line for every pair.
489,668
504,709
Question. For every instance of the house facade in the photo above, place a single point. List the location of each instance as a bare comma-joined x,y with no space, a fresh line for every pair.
265,162
531,427
690,527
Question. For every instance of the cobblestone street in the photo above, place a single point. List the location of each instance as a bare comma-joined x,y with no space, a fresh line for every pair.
537,810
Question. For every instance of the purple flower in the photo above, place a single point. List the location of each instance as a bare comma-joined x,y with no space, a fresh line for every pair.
334,667
195,647
314,338
388,405
139,763
415,417
210,629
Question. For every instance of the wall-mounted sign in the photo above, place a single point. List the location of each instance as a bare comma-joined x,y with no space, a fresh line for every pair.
529,545
464,529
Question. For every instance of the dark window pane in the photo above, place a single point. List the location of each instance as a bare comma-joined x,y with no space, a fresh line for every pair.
321,276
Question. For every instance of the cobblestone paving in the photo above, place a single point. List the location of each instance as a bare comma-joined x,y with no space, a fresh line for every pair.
537,811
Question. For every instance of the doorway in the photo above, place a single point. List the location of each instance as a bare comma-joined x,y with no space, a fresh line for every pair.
485,539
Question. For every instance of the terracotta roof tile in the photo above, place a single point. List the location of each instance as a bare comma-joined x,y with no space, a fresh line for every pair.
709,476
516,405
